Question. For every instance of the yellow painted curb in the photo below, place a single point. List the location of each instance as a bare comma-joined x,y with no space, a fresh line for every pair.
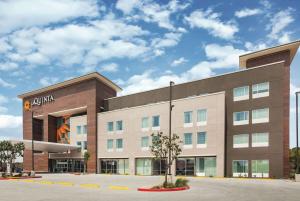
118,187
89,186
65,183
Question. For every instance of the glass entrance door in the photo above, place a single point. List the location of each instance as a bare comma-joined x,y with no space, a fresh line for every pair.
185,166
206,166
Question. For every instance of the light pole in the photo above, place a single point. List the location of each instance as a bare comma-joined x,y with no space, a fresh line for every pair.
170,122
297,128
32,142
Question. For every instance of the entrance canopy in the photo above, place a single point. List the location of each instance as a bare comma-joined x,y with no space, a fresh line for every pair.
47,146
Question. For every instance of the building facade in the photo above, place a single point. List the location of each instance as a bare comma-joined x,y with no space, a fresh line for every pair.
233,125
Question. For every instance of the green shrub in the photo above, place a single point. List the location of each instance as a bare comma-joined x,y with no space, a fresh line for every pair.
181,182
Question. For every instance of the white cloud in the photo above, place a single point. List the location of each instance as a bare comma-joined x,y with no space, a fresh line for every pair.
255,47
247,12
211,21
126,6
168,40
151,12
278,23
3,83
285,38
111,68
27,13
10,121
84,45
218,57
46,81
8,66
293,89
179,61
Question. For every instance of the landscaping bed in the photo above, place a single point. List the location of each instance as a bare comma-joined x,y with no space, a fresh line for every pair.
180,185
23,177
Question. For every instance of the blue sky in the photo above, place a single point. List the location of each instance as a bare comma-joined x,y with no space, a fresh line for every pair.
138,44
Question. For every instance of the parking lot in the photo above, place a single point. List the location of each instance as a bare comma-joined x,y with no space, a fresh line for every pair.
67,187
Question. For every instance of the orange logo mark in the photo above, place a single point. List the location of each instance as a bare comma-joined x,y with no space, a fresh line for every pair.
27,105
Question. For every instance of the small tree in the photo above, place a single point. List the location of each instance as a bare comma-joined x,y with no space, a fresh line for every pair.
86,157
9,152
162,145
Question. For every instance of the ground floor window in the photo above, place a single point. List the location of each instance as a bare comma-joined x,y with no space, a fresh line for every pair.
240,168
114,166
260,168
150,166
66,165
185,166
143,166
206,166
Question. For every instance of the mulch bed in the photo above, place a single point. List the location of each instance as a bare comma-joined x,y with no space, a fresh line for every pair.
163,189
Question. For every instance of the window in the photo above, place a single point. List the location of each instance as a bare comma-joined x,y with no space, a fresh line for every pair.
206,166
188,141
119,144
260,116
143,166
84,129
110,126
201,117
114,166
241,118
145,121
201,139
241,141
145,142
78,129
79,144
119,125
85,145
240,168
155,121
260,139
188,117
260,168
260,90
110,144
241,93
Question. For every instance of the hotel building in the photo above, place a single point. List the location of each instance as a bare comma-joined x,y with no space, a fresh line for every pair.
233,125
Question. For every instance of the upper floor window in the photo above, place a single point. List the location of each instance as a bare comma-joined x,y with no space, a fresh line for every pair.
241,118
201,117
260,116
78,129
188,140
155,121
260,139
241,141
260,90
85,145
84,129
145,123
201,139
241,93
110,144
119,125
145,142
119,144
110,126
78,144
188,117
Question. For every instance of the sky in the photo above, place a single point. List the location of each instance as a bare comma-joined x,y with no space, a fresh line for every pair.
140,45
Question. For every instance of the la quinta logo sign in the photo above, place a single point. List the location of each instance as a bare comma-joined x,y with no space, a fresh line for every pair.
38,101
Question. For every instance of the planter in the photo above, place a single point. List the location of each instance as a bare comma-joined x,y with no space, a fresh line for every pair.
297,177
163,189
